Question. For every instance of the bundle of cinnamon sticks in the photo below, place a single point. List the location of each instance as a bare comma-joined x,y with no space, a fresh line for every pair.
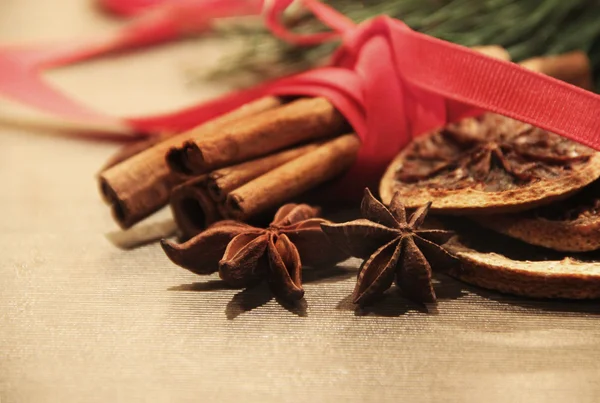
237,166
253,159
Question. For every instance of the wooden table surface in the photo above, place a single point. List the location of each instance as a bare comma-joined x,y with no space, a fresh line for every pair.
84,321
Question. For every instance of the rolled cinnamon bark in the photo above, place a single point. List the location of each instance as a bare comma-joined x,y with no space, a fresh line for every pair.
299,121
134,148
220,182
197,203
193,209
293,178
573,67
140,185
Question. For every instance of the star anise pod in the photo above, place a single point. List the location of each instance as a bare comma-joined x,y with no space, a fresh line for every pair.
244,255
394,248
489,163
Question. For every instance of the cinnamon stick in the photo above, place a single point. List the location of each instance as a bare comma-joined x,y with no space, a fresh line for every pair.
573,67
197,203
134,148
299,121
220,182
193,209
293,178
140,185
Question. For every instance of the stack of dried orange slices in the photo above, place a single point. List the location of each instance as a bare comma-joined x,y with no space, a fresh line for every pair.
539,193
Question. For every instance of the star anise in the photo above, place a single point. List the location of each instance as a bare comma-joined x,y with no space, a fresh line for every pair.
394,248
244,255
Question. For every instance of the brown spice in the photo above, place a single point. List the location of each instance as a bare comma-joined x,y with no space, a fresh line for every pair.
198,202
193,209
393,248
222,181
140,185
134,148
293,178
299,121
245,255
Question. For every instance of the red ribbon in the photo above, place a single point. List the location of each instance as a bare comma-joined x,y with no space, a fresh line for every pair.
390,82
130,8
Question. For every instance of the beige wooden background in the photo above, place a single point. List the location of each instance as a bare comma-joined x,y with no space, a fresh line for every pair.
84,321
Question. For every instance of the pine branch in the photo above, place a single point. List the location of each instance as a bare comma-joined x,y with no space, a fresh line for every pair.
525,28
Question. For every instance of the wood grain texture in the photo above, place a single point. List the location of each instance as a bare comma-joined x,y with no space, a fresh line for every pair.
83,321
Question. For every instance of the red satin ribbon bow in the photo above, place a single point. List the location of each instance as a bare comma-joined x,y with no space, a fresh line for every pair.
390,82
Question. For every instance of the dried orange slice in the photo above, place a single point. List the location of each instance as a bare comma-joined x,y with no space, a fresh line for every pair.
500,263
489,164
571,225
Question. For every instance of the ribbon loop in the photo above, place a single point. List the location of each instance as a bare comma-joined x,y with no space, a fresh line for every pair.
339,24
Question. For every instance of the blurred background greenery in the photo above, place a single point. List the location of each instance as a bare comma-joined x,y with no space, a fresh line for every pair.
526,28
